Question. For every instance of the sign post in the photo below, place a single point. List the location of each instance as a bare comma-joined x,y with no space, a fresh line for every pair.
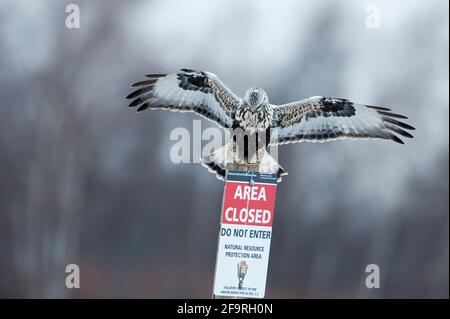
245,235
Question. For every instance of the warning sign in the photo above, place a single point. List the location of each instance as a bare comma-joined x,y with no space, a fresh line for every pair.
245,234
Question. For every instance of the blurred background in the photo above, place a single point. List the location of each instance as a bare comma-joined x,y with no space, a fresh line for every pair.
86,180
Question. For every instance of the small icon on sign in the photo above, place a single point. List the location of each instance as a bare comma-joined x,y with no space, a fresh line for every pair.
241,272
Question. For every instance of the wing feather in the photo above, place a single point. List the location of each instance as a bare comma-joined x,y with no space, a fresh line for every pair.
187,91
320,119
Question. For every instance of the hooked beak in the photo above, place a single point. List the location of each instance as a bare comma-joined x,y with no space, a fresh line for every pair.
254,108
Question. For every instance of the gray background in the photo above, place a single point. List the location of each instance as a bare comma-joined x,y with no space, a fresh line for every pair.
86,180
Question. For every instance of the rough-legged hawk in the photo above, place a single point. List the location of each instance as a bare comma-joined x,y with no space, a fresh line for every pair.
316,119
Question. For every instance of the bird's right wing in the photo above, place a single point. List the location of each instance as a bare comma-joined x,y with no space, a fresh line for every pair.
187,91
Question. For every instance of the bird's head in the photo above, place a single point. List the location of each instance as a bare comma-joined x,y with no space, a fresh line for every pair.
255,97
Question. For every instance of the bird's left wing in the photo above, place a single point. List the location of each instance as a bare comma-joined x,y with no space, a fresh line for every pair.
320,119
187,91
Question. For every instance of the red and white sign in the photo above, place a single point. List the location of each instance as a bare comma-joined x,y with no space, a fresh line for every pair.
245,234
246,204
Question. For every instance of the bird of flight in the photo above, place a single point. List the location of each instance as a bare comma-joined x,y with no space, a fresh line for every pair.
315,119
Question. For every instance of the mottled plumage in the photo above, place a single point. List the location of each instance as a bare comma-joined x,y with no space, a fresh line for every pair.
320,119
316,119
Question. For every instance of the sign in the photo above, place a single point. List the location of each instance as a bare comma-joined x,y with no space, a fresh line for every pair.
245,234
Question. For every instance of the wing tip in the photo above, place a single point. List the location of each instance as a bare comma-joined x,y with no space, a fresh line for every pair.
396,139
156,75
385,111
399,131
135,102
188,70
394,115
379,108
140,92
143,107
144,83
398,123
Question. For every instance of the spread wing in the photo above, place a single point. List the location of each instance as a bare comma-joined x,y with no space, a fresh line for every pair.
187,91
320,119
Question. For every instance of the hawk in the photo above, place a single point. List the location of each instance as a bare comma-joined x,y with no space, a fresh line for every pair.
315,119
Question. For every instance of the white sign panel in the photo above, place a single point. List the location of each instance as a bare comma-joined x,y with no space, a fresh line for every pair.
245,234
